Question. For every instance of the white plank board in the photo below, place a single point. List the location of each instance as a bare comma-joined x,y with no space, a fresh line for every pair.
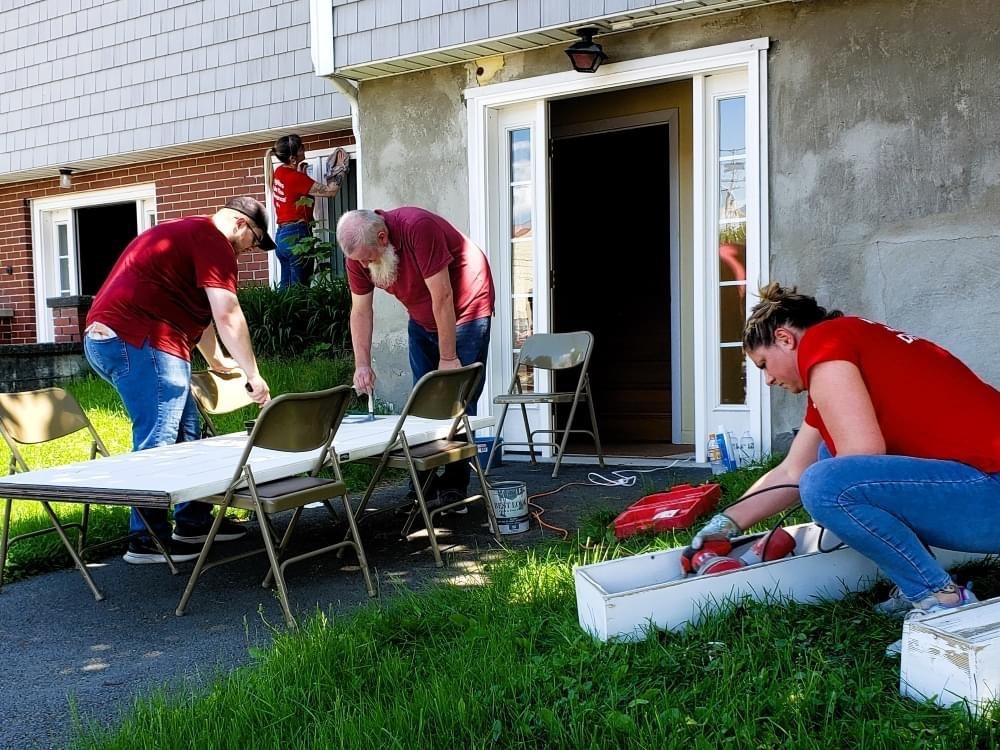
953,657
627,597
188,471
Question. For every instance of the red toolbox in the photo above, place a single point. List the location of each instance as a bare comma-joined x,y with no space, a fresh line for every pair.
677,508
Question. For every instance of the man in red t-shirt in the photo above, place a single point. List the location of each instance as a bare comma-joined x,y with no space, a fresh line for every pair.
443,280
899,448
157,304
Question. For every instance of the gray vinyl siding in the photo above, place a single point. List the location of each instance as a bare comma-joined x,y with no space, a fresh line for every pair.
370,30
85,79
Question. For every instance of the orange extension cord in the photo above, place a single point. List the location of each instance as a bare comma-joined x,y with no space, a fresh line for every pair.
621,480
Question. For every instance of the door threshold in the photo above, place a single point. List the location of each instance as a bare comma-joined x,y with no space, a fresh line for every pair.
683,460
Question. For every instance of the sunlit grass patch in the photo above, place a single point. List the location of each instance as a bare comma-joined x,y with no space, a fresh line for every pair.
507,665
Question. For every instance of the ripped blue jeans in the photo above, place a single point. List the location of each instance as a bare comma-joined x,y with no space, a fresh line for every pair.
889,507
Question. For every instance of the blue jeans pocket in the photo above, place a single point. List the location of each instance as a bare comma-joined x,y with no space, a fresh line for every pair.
108,357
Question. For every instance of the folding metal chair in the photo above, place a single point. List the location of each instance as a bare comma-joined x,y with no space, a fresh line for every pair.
441,395
33,417
294,422
552,351
218,393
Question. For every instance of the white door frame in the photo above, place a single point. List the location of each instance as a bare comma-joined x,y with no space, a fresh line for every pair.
42,258
749,56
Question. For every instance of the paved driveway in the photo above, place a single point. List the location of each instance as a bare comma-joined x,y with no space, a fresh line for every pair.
58,647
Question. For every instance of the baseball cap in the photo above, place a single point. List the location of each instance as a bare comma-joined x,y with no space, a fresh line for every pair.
254,211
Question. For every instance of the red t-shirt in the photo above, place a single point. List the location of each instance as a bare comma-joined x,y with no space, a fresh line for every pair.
156,289
289,186
426,243
927,402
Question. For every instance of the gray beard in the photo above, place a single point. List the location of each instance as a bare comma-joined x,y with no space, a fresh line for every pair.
385,270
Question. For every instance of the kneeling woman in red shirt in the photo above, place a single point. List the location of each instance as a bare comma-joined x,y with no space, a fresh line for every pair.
899,448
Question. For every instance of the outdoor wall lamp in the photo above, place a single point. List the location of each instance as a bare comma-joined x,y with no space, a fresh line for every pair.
65,178
586,55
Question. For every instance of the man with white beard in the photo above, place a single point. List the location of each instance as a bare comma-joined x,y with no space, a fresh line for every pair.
443,280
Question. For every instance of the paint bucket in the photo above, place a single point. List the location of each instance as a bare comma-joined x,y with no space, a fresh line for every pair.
510,504
485,445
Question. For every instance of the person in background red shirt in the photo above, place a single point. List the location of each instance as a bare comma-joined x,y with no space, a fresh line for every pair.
899,448
293,190
158,303
443,280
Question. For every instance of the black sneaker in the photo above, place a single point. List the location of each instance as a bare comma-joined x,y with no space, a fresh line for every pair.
142,552
229,531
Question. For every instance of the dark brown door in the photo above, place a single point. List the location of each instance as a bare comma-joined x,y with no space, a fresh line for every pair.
611,273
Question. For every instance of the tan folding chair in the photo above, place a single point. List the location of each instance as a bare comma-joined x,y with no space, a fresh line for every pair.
441,395
294,422
218,393
33,417
552,351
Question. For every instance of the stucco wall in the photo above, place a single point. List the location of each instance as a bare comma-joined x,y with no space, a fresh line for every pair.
884,158
414,154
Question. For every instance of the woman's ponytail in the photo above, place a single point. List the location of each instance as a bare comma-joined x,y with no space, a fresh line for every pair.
781,306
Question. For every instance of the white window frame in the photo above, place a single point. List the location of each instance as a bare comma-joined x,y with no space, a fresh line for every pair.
273,266
43,259
749,56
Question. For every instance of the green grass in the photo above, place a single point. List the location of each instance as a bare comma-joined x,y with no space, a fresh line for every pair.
105,410
505,665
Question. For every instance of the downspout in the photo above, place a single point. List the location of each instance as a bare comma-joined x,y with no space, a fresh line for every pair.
321,48
349,89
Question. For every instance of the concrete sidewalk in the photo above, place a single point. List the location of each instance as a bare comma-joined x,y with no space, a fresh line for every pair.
58,645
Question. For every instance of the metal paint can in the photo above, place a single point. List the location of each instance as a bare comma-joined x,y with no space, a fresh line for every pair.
510,504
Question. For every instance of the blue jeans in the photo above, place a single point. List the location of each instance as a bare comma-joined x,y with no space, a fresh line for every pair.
294,268
156,390
889,507
472,344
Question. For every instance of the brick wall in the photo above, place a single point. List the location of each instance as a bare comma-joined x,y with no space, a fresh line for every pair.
69,323
185,186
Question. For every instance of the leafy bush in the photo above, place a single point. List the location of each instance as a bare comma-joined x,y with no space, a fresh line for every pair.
299,320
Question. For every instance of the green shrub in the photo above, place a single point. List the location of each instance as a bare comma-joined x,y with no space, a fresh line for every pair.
300,320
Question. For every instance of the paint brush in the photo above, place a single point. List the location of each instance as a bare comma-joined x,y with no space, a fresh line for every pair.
371,405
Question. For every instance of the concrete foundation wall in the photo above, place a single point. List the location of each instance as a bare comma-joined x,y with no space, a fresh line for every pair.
884,160
31,366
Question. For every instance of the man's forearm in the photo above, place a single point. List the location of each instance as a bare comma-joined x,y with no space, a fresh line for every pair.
232,329
362,321
444,317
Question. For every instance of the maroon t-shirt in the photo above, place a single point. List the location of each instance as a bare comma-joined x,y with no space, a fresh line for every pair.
927,402
426,243
156,290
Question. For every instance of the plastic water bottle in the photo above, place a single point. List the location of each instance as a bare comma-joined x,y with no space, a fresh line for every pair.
714,455
747,449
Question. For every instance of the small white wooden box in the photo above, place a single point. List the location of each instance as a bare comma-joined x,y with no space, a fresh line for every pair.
953,657
625,598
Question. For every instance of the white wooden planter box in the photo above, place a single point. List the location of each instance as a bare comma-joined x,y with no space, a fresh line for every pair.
625,598
953,657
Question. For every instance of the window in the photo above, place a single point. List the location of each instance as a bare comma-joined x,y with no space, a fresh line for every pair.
63,259
345,200
731,227
522,243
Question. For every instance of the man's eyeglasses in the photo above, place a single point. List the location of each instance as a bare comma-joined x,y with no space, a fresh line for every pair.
258,239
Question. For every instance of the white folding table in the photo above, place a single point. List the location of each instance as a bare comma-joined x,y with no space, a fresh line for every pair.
161,477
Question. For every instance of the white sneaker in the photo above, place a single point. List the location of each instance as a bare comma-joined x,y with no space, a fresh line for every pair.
932,606
896,605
